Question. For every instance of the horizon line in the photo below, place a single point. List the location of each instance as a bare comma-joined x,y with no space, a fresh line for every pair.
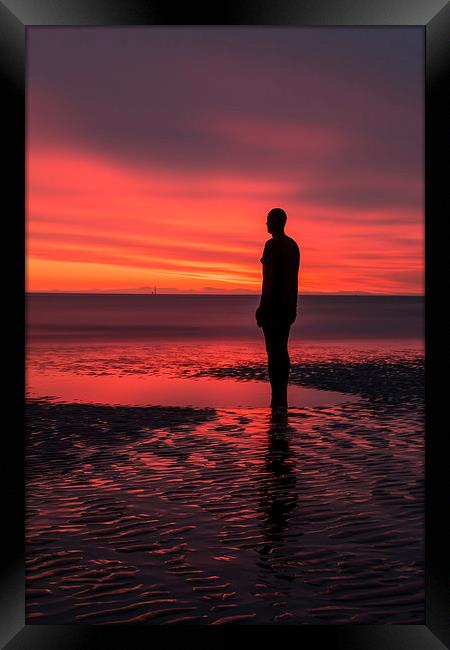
192,293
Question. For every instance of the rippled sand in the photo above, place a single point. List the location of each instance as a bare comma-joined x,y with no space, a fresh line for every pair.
167,515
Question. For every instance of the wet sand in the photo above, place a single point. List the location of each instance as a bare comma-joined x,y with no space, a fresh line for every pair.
163,515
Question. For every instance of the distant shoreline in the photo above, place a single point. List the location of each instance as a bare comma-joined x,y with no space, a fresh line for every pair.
224,295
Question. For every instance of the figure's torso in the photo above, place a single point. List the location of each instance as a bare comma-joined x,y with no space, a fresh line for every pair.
281,262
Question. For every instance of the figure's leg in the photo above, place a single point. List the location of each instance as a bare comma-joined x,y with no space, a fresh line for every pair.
270,341
278,362
286,358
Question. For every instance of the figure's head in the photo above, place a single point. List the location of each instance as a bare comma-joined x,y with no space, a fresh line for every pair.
276,220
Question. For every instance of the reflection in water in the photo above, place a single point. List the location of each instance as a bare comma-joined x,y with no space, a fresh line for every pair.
158,388
164,515
278,485
141,514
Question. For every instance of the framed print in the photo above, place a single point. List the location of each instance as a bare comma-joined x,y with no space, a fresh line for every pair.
228,238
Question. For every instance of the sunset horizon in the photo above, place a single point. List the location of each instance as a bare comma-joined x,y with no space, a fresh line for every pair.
162,292
154,156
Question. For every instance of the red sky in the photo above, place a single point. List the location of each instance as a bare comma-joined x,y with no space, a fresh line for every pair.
154,155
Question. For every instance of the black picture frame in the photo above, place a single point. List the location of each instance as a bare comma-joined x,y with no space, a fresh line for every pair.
15,17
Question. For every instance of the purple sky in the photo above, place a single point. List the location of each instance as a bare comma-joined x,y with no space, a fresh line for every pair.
326,122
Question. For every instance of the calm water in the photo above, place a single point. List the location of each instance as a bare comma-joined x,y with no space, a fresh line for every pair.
140,349
142,510
100,317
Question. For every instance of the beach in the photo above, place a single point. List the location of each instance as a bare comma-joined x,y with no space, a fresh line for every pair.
161,489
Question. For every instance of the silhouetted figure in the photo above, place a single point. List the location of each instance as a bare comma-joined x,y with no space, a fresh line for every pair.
278,307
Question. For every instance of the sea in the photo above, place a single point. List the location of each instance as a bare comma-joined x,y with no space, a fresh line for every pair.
162,489
146,349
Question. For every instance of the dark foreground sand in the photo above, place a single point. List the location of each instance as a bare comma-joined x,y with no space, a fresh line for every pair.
165,515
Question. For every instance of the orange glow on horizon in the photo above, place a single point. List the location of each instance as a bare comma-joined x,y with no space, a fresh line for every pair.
94,224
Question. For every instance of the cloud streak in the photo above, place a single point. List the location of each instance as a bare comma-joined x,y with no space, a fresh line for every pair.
154,155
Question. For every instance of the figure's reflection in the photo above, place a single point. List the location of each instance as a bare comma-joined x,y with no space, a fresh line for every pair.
278,484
